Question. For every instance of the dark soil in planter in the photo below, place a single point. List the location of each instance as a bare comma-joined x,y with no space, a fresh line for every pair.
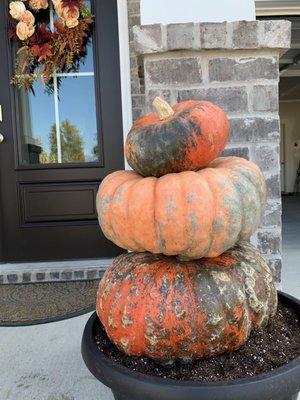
266,349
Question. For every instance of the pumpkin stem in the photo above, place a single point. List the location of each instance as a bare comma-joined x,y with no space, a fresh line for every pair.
163,109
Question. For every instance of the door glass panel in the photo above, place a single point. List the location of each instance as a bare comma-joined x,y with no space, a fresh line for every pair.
60,127
78,126
36,117
88,63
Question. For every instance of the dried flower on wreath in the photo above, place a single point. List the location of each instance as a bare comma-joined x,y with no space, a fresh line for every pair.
44,47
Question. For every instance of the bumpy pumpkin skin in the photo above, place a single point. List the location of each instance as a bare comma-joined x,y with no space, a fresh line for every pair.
160,307
195,135
191,214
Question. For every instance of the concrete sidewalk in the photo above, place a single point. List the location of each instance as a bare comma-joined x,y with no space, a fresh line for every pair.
44,362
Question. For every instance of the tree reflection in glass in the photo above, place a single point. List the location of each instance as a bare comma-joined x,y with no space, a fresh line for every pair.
72,147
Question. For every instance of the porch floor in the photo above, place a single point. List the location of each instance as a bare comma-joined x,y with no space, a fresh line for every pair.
44,362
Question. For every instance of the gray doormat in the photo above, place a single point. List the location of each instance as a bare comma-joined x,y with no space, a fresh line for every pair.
38,303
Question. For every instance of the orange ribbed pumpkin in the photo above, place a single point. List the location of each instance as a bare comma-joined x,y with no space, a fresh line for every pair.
159,307
191,214
184,137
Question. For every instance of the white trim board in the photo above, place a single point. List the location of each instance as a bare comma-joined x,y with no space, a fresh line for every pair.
277,7
289,73
125,68
176,11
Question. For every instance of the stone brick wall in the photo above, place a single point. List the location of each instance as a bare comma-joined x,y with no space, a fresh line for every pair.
235,65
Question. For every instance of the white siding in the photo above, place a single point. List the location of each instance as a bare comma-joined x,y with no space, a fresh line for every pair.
176,11
124,68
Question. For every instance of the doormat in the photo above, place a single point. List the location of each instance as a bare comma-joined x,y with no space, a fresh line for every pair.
39,303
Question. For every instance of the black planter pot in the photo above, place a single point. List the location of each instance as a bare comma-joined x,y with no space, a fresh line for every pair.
280,384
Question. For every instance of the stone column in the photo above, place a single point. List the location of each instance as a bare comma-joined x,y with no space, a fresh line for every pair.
235,65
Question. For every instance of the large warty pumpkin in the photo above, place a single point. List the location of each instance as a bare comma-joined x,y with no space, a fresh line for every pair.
190,214
167,309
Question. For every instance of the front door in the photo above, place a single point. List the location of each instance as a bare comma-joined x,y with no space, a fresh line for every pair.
57,148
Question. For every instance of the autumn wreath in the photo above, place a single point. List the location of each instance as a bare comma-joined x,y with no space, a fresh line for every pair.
45,44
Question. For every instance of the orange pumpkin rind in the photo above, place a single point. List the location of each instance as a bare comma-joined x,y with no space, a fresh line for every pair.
165,309
189,214
184,137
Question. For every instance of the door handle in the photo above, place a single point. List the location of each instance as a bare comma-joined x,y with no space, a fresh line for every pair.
1,138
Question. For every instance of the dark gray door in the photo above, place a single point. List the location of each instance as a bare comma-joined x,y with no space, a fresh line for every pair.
56,150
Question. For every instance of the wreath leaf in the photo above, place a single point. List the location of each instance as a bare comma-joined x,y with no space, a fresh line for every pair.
21,49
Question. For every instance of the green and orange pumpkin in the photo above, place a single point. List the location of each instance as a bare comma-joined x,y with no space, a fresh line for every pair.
185,137
190,214
166,309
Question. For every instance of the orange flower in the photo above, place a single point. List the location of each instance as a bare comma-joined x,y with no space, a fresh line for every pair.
16,8
28,18
38,4
59,25
70,13
71,23
23,31
58,8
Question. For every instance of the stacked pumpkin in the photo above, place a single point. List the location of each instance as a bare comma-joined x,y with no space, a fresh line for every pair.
192,285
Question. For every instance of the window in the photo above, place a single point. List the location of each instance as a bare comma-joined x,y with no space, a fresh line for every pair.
60,127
